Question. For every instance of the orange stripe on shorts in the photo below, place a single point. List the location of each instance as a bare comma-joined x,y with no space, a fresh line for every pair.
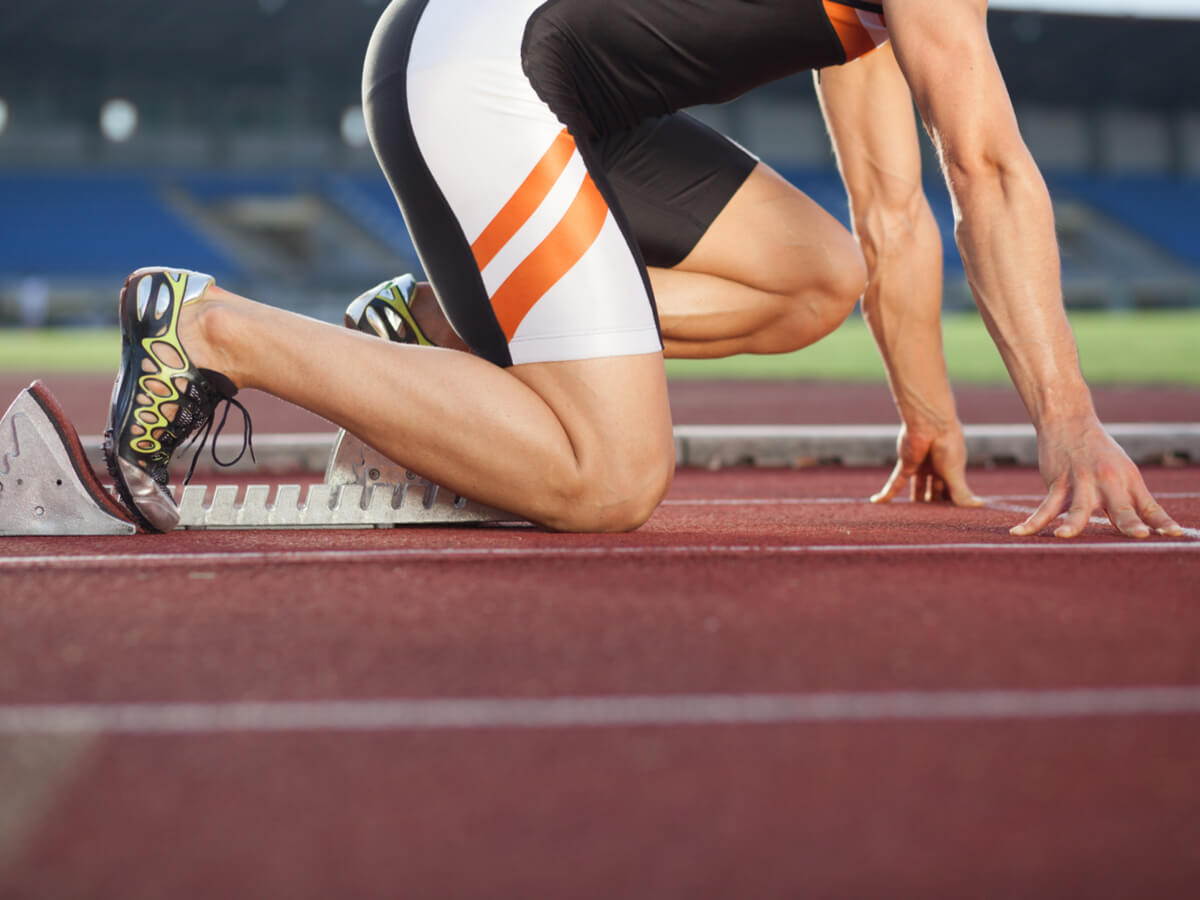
565,246
855,38
528,197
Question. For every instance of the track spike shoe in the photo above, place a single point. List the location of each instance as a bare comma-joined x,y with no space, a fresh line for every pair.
385,311
156,374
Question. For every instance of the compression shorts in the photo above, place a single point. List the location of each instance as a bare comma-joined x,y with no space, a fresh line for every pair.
534,206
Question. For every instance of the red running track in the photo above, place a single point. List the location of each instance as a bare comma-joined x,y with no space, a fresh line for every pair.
746,584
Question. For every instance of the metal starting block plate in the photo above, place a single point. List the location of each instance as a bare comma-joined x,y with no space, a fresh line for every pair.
384,484
47,486
327,506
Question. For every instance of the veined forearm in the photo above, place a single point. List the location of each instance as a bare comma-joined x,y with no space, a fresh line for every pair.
902,307
1006,236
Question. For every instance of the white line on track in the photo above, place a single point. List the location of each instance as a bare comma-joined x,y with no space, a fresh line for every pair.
857,501
144,561
596,711
768,501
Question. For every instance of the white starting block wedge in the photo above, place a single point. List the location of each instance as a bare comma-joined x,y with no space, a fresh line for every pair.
47,487
353,464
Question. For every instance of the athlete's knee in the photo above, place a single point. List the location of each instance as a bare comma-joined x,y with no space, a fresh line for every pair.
842,277
615,493
823,293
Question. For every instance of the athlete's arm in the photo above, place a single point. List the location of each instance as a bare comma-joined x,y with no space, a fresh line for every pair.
868,109
1005,233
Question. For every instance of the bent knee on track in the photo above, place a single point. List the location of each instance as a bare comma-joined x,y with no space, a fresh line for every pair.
616,496
819,298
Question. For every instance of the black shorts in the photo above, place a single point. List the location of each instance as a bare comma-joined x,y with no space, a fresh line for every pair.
672,177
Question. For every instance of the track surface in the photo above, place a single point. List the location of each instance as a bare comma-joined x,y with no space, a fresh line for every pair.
774,689
852,622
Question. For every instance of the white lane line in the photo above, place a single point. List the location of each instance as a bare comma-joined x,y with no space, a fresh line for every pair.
596,711
855,501
769,501
143,561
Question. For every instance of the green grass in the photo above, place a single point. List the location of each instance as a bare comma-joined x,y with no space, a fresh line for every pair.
1116,348
48,351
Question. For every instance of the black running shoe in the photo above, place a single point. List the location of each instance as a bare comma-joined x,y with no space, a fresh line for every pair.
384,311
156,373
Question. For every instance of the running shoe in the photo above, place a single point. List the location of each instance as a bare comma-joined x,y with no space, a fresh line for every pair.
384,311
157,374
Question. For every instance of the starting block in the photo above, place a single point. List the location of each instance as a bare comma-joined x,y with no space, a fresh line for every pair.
48,487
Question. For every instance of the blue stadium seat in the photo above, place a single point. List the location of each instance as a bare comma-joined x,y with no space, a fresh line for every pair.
102,225
1164,210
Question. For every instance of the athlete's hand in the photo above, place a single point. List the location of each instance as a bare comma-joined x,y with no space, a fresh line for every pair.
934,460
1085,470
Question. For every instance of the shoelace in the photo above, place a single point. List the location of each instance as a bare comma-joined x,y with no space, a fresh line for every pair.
247,438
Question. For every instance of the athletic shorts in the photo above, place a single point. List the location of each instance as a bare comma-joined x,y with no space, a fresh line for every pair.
536,240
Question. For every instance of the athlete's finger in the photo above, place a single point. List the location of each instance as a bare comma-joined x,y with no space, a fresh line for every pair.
920,486
1079,514
1155,516
938,492
1044,514
1126,520
895,483
959,493
923,482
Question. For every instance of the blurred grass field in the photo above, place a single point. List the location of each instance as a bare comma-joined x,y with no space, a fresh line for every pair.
1150,347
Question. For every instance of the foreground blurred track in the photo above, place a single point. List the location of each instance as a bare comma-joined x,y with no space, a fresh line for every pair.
772,689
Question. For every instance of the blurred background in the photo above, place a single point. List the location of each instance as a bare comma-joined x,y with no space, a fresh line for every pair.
226,136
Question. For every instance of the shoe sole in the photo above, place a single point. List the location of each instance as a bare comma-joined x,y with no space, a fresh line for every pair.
120,398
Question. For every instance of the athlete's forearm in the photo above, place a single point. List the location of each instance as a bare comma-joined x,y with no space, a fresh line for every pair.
1006,236
902,307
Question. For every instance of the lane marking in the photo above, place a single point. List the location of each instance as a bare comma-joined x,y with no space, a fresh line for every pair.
418,554
614,711
863,501
768,501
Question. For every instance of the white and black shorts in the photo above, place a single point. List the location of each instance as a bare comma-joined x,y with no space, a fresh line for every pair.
534,227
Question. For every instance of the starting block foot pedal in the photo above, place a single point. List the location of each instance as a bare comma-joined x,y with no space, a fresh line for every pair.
47,486
387,485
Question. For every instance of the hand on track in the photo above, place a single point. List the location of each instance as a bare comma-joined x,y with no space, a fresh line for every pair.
935,462
1085,470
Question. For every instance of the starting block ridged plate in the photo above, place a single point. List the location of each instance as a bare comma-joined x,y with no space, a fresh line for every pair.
327,506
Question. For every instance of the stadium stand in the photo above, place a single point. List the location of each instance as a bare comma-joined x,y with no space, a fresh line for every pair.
244,173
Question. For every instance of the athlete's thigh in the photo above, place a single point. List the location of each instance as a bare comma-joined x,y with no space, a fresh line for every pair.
769,235
701,203
513,219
